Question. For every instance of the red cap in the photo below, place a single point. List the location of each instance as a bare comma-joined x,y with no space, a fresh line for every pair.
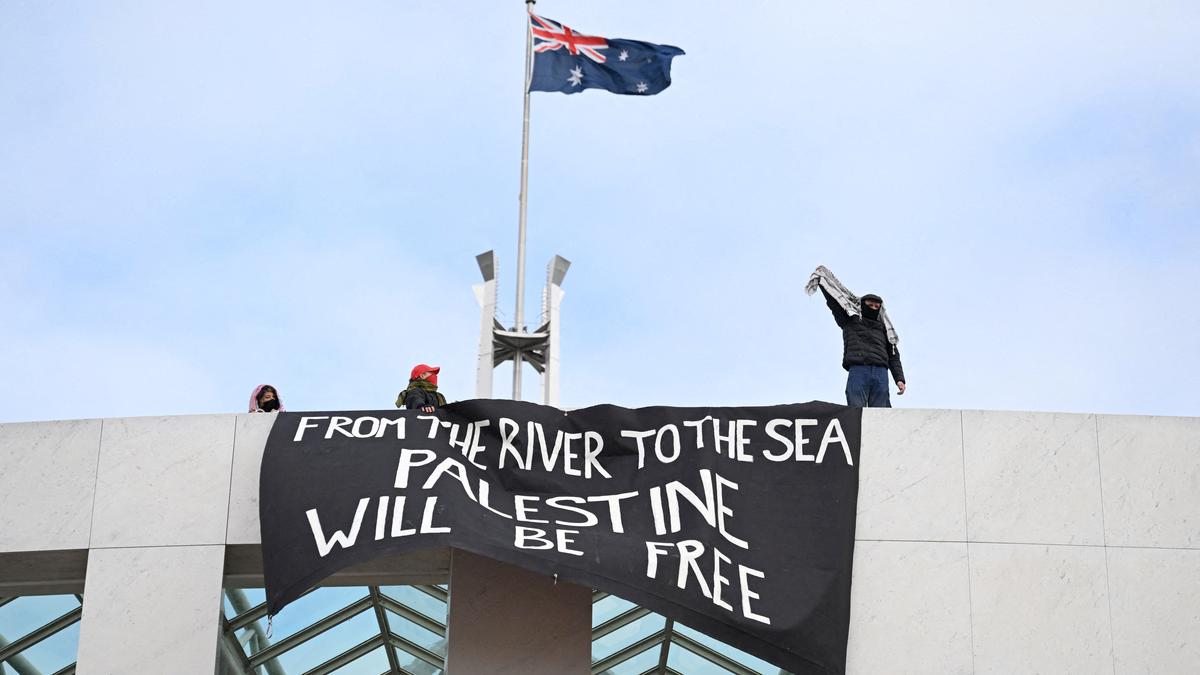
422,368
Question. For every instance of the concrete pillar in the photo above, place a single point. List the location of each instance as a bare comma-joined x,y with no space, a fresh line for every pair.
508,621
485,295
552,307
151,610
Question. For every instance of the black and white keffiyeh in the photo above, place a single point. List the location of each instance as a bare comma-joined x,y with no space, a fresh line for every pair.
822,277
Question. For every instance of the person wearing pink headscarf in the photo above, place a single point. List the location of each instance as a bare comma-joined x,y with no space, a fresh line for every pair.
422,390
265,399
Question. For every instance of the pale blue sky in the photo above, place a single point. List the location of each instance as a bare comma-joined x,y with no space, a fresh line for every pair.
199,197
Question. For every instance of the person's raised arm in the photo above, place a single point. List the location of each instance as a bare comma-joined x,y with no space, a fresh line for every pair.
839,313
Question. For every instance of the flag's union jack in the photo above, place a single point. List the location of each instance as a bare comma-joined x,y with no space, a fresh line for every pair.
549,36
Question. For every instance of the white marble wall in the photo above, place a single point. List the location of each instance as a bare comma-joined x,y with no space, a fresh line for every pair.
163,481
47,484
1010,542
151,610
250,440
988,542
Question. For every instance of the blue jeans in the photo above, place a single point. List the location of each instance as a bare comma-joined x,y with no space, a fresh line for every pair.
867,387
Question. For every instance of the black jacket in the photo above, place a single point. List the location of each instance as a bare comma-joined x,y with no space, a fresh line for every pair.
415,398
865,341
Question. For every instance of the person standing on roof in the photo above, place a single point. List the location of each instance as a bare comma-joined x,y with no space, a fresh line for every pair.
869,348
265,399
422,390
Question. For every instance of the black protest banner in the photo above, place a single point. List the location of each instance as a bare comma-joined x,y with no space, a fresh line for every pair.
738,522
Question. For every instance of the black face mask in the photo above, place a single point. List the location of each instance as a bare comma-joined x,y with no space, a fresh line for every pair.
270,406
868,313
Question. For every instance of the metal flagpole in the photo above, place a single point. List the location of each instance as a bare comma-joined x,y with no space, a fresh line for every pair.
520,310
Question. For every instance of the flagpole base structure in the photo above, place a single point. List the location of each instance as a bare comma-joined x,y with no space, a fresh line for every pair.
505,620
498,344
485,295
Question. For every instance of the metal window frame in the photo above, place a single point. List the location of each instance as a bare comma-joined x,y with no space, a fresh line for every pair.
11,652
376,600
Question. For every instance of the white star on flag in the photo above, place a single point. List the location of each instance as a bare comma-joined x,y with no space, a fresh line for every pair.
624,55
576,77
641,87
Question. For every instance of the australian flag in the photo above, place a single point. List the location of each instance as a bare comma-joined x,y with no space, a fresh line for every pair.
566,61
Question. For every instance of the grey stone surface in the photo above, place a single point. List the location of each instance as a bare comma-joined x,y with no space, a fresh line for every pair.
151,610
1155,610
1151,469
163,481
1039,609
251,440
911,476
47,482
1032,478
910,609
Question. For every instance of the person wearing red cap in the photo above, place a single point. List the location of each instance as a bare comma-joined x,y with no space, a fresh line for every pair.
422,390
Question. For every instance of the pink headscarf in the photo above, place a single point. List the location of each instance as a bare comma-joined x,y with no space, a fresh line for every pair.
254,397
